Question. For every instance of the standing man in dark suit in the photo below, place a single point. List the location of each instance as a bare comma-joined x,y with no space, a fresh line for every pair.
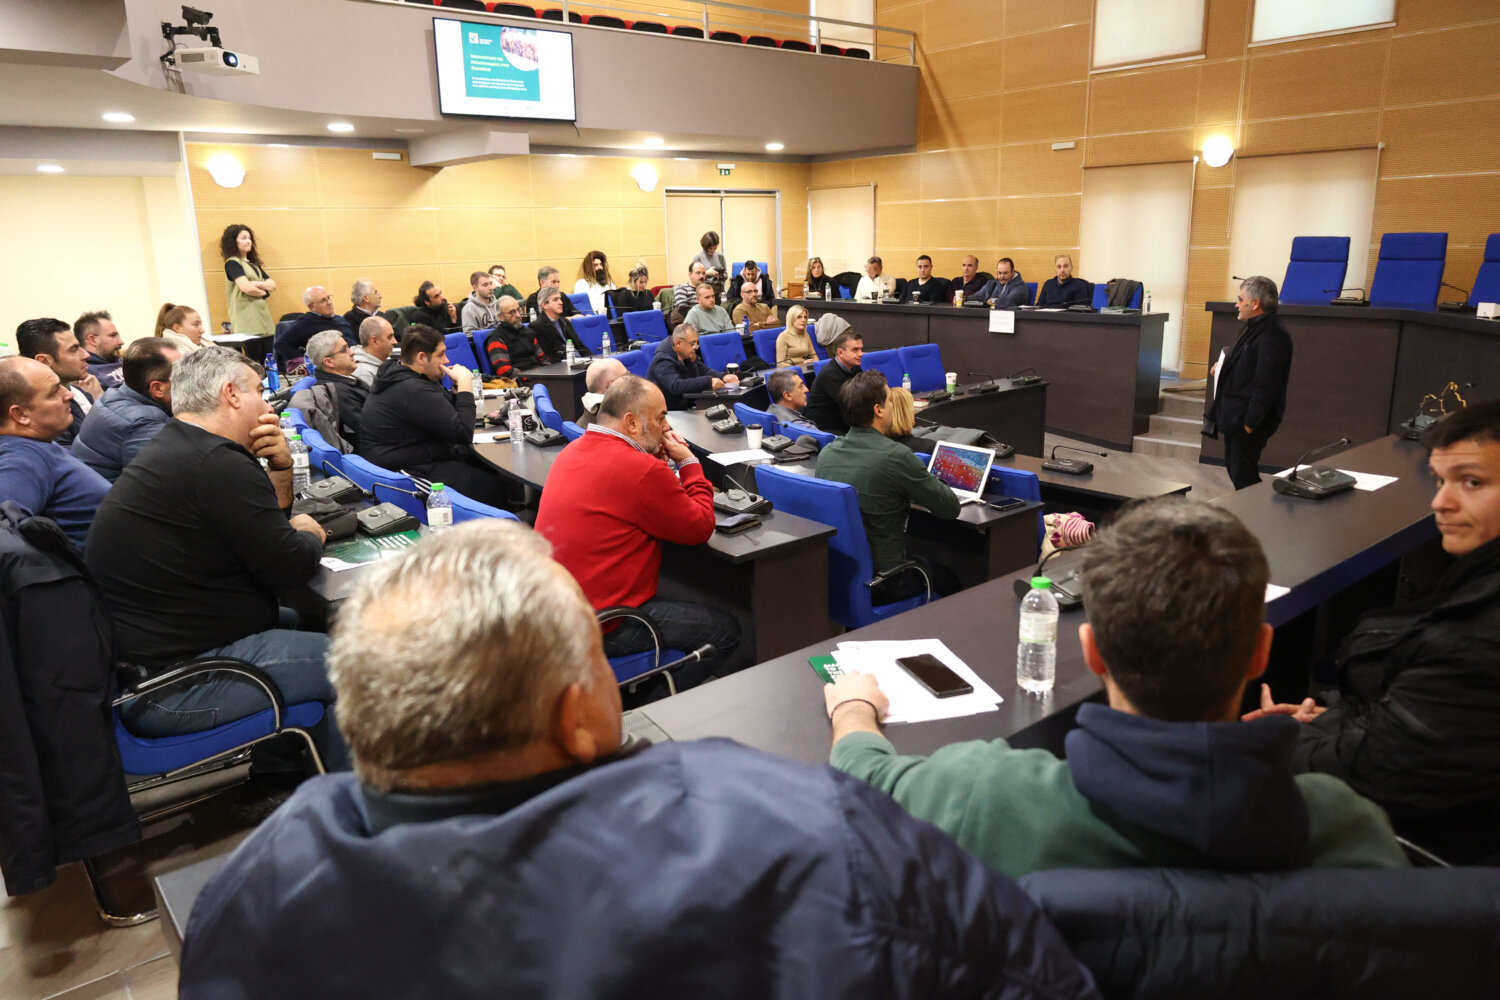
1250,392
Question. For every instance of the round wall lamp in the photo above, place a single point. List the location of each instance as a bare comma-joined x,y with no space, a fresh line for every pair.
1217,150
225,170
644,175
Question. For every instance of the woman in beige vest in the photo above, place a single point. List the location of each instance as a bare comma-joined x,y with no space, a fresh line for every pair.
247,283
793,345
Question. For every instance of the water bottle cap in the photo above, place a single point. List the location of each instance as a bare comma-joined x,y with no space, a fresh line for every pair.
436,487
1041,583
295,437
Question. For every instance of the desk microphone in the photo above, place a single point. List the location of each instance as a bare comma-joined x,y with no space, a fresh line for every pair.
1455,306
1348,300
1068,589
1321,481
1021,378
1072,466
993,385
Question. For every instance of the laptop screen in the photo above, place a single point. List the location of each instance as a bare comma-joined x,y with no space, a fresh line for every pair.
964,469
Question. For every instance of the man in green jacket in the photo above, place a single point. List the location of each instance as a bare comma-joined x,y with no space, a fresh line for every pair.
889,478
1166,775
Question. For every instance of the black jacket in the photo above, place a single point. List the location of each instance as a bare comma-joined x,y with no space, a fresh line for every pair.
767,291
292,342
629,300
823,406
1252,384
352,396
553,341
62,790
411,421
938,291
355,318
675,377
1075,291
824,286
1414,727
433,316
569,309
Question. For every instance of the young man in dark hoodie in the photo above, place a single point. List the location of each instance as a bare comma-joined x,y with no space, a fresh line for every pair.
1165,775
411,423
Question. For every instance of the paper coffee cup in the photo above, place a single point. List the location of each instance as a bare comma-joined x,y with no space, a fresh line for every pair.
952,380
752,435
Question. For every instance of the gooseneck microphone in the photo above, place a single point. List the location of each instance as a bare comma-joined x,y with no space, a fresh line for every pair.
1071,466
1348,300
1320,481
1458,306
991,385
1021,378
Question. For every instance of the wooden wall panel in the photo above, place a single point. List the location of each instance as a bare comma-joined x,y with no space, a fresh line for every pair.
1040,222
969,71
475,185
959,173
274,177
1354,130
1151,99
1228,28
480,233
1317,80
1141,147
1447,65
948,24
960,225
1212,210
898,225
352,178
1022,16
896,178
1461,206
1047,57
1219,87
1037,168
1439,138
1049,113
967,121
381,235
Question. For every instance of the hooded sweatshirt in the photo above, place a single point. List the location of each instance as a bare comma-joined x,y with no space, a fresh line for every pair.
410,421
1135,791
829,326
478,314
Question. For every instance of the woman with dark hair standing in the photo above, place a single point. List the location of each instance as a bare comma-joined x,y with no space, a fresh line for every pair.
713,262
596,280
248,286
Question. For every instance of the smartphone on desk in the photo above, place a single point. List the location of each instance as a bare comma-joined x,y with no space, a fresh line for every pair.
935,675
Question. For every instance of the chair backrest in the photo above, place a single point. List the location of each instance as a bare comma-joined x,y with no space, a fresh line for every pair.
590,330
796,45
1152,932
605,21
887,362
1031,293
849,561
476,340
461,350
636,362
818,349
581,301
719,349
765,343
924,363
1317,264
687,31
748,415
545,411
571,431
319,451
1022,485
820,364
738,266
386,486
765,41
1409,272
467,509
653,26
1487,281
847,282
647,325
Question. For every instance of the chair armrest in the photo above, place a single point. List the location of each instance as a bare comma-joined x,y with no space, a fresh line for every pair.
191,669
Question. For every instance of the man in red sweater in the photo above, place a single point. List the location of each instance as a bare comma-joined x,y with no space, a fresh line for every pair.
611,500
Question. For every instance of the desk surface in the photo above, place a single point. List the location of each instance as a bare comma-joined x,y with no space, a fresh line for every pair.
943,309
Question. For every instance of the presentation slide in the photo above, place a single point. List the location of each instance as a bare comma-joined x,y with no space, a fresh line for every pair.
499,71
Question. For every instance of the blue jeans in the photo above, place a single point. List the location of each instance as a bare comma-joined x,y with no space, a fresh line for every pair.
294,660
680,625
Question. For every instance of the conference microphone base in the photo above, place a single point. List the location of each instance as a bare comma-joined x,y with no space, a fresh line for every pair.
1314,482
1070,466
1350,301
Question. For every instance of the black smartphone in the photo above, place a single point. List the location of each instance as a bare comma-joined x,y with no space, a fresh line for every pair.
1006,503
935,675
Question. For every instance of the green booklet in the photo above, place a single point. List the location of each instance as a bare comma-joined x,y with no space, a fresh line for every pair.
825,668
362,549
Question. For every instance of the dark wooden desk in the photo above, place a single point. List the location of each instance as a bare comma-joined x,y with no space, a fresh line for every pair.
753,575
1104,369
1014,414
565,385
1358,372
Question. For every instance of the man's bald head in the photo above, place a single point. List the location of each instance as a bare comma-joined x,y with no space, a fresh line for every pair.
603,373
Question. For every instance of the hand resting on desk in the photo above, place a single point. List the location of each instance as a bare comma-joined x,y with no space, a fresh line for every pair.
855,704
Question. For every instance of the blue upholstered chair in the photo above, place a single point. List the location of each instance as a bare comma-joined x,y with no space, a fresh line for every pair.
476,340
739,265
648,325
1022,485
590,330
765,343
1318,263
320,454
582,303
633,668
636,362
851,571
306,382
1031,293
571,431
1487,281
1101,296
384,485
924,363
819,365
720,349
887,362
770,425
461,350
545,411
467,509
1409,272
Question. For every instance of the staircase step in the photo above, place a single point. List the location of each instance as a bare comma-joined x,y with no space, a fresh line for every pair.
1178,404
1143,444
1175,428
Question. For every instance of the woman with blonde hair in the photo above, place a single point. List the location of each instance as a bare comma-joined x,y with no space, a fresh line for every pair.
182,327
794,345
596,280
904,419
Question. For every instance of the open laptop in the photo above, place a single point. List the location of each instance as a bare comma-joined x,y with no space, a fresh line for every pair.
963,467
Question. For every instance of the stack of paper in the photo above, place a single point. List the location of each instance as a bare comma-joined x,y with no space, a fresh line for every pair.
910,701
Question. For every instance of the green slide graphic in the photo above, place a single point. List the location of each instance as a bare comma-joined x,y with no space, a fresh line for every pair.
501,63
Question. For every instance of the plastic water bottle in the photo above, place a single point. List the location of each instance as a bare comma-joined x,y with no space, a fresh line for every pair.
439,508
1036,653
476,387
288,429
906,381
273,374
301,475
533,315
607,345
513,420
745,330
1148,300
572,354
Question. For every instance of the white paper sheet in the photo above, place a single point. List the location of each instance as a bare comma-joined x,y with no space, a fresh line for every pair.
1002,321
1219,367
910,701
749,455
1273,592
1367,481
490,437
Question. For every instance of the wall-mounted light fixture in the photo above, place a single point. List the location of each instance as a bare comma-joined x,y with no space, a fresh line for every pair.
225,170
644,175
1217,149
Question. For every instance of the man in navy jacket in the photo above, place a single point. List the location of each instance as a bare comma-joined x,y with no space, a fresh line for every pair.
676,370
131,414
499,838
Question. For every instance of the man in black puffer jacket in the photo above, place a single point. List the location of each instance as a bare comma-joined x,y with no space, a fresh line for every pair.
412,423
1416,721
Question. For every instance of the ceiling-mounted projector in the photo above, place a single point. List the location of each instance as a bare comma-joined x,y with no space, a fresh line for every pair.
215,61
